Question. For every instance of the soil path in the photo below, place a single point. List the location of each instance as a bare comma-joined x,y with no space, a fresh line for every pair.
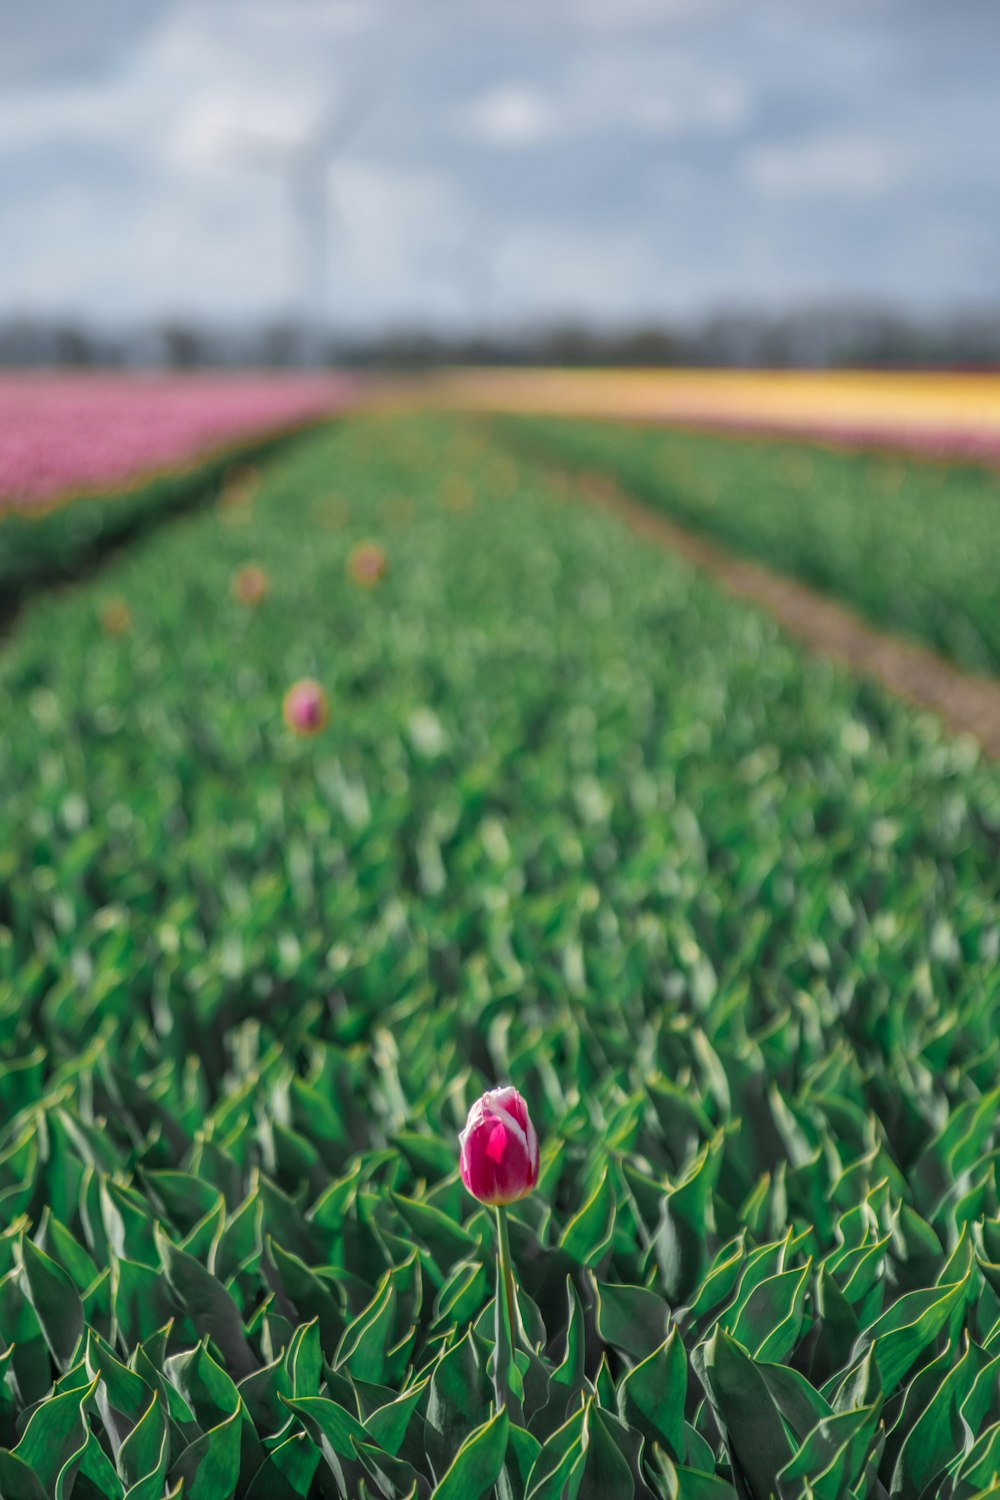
967,704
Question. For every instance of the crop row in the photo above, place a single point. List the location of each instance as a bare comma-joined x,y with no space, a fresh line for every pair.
88,433
914,545
42,546
727,918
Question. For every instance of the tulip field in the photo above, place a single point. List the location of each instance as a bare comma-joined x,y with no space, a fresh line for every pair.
74,432
914,546
88,460
399,797
937,414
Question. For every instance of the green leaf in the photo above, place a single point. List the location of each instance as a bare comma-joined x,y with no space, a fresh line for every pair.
831,1460
336,1433
365,1343
457,1401
96,1475
770,1320
55,1239
477,1464
751,1423
446,1240
207,1303
210,1466
51,1448
693,1485
560,1455
631,1319
588,1234
141,1302
686,1224
261,1394
310,1295
392,1475
388,1424
799,1403
286,1224
938,1433
651,1396
428,1155
144,1455
977,1473
581,1461
17,1480
326,1421
287,1472
55,1300
206,1388
123,1397
901,1334
522,1451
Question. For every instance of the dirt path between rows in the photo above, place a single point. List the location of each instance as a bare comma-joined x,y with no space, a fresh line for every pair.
967,704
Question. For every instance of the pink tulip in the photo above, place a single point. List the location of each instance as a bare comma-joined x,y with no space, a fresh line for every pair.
499,1156
367,564
305,707
249,584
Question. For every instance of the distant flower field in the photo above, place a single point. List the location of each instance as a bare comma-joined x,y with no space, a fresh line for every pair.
61,434
939,415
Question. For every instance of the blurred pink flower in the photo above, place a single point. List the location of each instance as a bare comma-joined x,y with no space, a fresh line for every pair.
249,584
305,708
367,564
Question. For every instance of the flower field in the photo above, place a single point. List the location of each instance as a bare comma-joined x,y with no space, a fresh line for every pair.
403,779
914,545
63,434
936,415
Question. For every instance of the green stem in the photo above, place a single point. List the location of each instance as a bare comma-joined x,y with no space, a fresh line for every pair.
505,1274
507,1376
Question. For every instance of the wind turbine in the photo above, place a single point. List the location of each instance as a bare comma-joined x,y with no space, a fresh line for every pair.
304,166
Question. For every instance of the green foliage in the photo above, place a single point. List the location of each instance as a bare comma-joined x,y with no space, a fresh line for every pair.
728,919
45,543
912,543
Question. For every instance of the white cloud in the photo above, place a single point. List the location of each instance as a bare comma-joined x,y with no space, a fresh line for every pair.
195,82
848,165
235,130
513,116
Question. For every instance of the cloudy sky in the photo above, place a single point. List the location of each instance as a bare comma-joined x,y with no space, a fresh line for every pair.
497,161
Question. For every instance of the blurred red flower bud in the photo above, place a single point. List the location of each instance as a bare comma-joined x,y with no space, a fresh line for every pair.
305,709
116,617
249,584
367,564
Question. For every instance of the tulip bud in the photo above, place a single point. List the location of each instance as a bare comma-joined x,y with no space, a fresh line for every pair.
116,617
367,564
249,584
499,1156
305,707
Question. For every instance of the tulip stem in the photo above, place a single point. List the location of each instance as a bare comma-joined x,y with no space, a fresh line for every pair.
506,1375
505,1273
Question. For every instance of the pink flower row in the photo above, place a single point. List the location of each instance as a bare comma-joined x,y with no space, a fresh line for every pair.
65,433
